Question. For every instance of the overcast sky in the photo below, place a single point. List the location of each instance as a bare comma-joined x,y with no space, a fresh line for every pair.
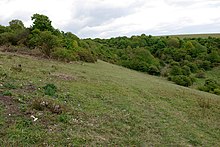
111,18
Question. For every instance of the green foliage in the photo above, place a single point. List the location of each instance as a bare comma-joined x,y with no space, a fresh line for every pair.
45,41
7,93
6,38
176,70
182,80
217,91
200,74
16,25
50,89
211,86
85,55
173,42
41,22
153,70
64,54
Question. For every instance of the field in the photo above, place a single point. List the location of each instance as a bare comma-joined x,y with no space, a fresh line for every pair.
217,35
99,104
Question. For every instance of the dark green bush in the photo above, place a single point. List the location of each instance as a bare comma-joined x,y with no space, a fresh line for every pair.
50,89
217,91
153,70
176,70
64,54
86,56
182,80
210,86
186,70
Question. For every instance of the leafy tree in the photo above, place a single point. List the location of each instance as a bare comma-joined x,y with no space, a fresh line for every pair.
16,25
41,22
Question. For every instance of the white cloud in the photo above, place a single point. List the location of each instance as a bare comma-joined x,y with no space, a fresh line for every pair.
107,18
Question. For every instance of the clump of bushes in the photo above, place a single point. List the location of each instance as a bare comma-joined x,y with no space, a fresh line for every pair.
63,54
86,56
200,74
182,80
211,86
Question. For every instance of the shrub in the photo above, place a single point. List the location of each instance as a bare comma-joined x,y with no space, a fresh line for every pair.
182,80
210,86
200,74
203,88
217,91
186,70
176,70
63,54
153,70
86,56
50,89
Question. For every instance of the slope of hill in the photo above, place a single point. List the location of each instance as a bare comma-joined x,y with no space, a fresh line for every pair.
46,103
216,35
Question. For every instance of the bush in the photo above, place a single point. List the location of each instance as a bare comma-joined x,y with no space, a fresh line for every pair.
50,89
182,80
86,56
201,74
217,91
153,70
63,54
186,70
176,70
210,86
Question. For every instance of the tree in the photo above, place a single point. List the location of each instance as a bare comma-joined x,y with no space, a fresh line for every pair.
16,25
42,23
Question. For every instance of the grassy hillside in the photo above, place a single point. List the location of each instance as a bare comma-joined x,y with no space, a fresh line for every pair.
99,104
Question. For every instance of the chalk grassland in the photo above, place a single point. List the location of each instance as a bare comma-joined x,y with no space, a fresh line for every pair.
100,104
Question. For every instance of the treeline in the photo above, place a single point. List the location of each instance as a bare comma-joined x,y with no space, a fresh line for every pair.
180,60
43,39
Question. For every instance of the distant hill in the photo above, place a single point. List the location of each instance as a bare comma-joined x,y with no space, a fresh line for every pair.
217,35
50,103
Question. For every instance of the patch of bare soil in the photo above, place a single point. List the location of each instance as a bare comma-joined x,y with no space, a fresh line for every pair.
11,107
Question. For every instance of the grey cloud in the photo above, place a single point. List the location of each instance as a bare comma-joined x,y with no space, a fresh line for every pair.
98,15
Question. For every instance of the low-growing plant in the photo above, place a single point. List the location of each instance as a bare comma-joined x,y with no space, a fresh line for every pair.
9,86
7,93
50,89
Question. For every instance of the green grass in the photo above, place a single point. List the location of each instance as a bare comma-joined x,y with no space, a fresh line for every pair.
217,35
102,104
